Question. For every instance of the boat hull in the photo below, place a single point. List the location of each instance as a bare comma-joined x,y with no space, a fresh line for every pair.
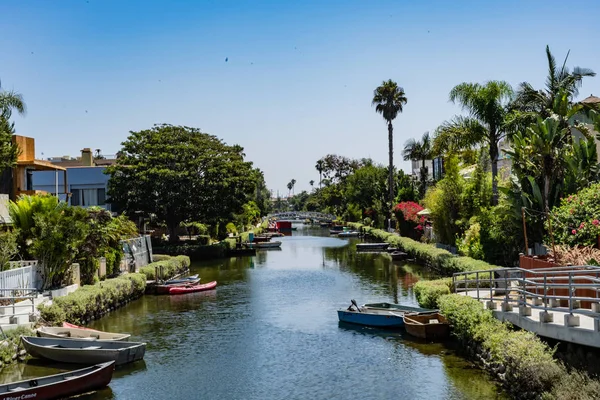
61,385
78,333
267,245
193,289
164,289
379,320
348,234
372,246
83,351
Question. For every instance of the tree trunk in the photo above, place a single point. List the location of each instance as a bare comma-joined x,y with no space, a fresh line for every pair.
391,171
494,159
320,179
172,226
546,191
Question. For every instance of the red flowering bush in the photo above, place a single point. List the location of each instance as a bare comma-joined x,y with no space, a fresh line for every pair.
409,223
576,221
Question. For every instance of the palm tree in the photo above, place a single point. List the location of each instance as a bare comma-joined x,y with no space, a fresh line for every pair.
419,150
388,99
9,101
319,166
560,81
293,182
289,186
312,183
487,106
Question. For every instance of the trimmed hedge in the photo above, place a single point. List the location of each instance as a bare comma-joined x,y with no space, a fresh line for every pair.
171,266
428,292
440,260
194,251
92,301
519,359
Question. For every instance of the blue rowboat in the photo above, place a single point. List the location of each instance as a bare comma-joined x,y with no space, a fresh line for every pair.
397,308
376,318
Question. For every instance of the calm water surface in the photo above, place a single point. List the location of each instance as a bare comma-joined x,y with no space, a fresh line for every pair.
270,331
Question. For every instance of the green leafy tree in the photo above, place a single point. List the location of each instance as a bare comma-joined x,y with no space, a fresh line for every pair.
487,106
419,150
22,214
389,100
180,173
8,248
56,240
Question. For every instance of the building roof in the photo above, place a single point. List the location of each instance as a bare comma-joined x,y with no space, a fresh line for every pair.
591,99
40,165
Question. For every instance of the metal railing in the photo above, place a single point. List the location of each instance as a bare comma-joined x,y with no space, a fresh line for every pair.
14,298
542,288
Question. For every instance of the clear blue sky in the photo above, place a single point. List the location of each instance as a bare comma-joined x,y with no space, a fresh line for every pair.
299,77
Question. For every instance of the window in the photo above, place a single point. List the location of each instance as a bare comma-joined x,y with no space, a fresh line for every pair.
88,197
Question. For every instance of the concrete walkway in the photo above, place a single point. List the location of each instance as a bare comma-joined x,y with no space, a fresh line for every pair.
556,324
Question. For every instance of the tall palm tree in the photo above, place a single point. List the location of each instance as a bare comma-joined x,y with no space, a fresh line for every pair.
487,106
293,182
389,99
289,186
319,166
10,101
419,150
312,183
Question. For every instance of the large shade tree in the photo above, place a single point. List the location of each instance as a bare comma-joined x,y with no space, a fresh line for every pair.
179,173
419,150
487,106
389,100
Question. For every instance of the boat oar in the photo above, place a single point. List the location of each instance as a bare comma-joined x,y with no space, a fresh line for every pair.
354,303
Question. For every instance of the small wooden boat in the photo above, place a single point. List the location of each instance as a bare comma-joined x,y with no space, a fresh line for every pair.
193,288
372,246
348,234
78,333
324,224
371,317
84,351
398,308
398,255
267,245
61,385
427,326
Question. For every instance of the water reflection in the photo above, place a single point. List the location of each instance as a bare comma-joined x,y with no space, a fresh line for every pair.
270,330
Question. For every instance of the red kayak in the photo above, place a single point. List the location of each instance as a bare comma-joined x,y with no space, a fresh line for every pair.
192,288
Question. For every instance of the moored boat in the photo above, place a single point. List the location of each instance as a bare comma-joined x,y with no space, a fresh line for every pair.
187,279
348,234
398,255
164,288
83,351
372,246
267,245
261,239
375,318
427,326
193,288
61,385
398,308
78,333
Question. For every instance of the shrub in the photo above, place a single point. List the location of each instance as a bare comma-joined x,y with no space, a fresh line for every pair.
8,248
530,366
170,267
160,257
92,301
470,244
409,223
577,220
428,292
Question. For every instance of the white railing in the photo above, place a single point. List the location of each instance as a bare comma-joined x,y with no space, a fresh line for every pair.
17,278
535,288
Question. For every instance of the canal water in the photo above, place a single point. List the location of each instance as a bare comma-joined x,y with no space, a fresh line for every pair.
270,331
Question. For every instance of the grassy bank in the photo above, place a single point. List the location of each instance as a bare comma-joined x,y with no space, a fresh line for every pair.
93,301
519,359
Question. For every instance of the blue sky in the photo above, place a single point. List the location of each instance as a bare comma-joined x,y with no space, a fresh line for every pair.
298,79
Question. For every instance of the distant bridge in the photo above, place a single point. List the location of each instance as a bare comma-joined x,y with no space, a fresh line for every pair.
302,215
